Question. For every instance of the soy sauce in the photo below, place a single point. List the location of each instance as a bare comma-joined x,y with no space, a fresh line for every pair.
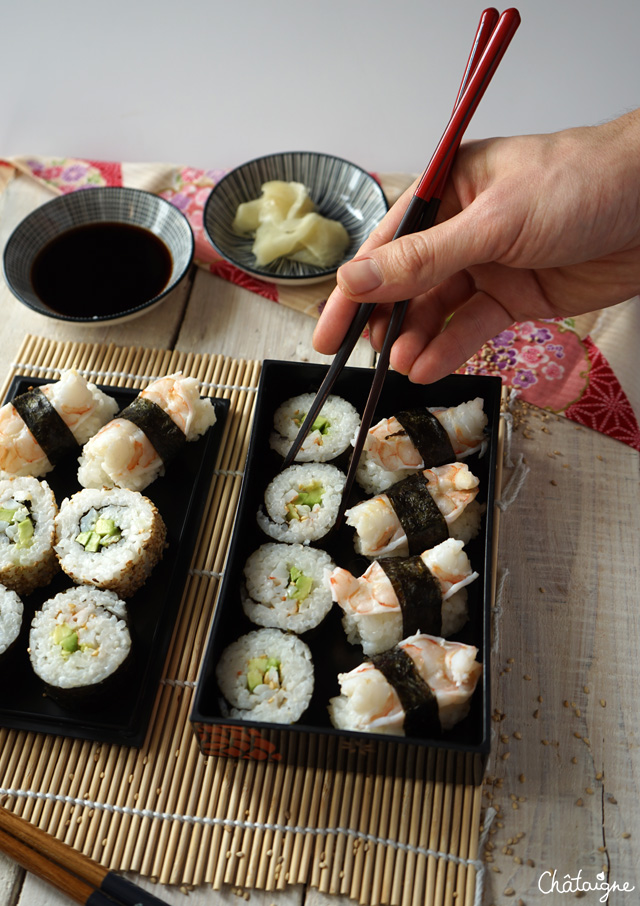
101,269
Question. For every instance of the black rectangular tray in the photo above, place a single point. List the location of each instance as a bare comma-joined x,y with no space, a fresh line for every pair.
180,496
331,652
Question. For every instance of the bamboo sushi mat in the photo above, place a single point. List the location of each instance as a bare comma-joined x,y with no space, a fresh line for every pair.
407,834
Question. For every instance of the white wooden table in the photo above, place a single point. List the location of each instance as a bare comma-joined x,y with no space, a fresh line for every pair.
563,781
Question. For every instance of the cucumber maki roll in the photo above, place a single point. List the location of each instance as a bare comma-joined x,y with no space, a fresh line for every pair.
27,512
301,503
109,538
421,687
44,425
80,645
266,675
331,433
134,449
397,597
11,613
287,586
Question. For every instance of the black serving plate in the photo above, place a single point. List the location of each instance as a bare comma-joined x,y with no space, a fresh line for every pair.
180,496
331,652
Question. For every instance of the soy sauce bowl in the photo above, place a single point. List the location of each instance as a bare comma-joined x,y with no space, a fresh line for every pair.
98,256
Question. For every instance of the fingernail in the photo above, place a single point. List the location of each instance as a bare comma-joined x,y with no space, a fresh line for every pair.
360,275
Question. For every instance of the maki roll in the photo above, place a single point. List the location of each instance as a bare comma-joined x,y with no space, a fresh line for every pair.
42,426
111,538
301,503
27,512
420,688
79,644
331,433
417,513
266,675
287,586
397,597
11,612
132,450
416,439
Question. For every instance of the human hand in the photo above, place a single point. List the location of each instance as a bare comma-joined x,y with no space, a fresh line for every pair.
530,227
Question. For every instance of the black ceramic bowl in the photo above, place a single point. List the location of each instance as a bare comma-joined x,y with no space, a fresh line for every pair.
98,256
339,189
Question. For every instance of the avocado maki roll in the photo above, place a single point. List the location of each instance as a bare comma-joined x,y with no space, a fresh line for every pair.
46,424
80,644
331,433
266,675
301,503
287,586
11,613
109,538
27,512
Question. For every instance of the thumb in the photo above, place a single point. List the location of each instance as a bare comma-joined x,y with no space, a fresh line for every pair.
414,264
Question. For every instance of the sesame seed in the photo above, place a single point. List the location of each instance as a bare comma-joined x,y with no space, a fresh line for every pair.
579,802
522,778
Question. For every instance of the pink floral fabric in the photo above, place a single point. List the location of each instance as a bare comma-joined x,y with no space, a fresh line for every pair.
546,362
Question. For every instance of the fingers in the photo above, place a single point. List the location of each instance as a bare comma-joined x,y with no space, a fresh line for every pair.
480,319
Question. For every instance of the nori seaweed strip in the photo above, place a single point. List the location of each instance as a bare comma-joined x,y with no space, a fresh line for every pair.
47,426
428,436
418,592
418,702
418,513
162,432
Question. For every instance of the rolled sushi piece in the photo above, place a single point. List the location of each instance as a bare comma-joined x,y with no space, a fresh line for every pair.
417,513
11,613
287,586
397,597
27,514
44,425
415,439
109,537
266,675
302,502
421,687
80,644
331,433
132,450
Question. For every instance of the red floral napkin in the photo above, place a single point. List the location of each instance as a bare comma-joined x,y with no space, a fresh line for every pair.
583,369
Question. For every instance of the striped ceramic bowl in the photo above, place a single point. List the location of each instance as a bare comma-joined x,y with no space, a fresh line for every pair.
339,189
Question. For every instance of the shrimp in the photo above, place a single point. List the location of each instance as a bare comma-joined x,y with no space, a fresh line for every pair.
71,397
20,453
371,593
179,398
390,447
119,455
465,426
453,487
379,530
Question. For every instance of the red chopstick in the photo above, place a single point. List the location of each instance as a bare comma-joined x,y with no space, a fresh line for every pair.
493,35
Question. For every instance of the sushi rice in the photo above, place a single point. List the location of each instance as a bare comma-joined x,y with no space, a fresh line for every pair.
332,431
266,675
286,586
11,612
27,512
79,640
302,503
110,538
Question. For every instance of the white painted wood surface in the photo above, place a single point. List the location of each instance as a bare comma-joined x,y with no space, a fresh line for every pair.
563,774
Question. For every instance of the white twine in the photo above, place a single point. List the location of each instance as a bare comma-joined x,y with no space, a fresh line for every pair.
121,375
496,610
489,817
237,823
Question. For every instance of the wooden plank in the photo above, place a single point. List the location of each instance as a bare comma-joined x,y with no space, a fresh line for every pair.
564,770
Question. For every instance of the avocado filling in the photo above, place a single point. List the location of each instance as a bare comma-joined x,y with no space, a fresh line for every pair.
308,496
20,527
67,639
263,671
321,423
299,585
103,533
